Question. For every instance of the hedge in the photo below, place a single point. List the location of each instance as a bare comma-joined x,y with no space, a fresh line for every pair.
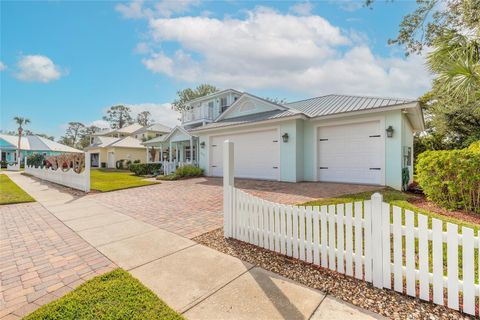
143,169
183,172
451,178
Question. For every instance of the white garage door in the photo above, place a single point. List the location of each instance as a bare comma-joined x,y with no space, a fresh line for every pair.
256,155
351,153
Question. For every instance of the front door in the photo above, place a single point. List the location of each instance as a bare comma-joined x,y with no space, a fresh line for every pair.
111,159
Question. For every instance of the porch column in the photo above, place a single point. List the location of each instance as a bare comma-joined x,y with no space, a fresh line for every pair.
148,156
170,152
182,152
160,156
191,150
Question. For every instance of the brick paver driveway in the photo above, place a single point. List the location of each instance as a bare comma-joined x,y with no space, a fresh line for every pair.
192,207
40,259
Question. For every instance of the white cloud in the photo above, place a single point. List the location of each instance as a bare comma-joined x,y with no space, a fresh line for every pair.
137,9
37,68
160,112
2,66
268,49
349,5
302,9
102,124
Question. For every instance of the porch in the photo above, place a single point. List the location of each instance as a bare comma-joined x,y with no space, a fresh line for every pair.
176,149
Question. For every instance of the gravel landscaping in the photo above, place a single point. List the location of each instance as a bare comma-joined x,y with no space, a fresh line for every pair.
385,302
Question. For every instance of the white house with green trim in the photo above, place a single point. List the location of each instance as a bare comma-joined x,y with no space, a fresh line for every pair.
30,145
332,138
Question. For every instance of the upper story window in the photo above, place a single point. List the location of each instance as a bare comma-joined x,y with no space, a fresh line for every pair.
223,101
210,110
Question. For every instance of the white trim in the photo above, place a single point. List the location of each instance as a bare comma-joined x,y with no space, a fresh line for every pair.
279,139
346,122
213,95
200,131
251,96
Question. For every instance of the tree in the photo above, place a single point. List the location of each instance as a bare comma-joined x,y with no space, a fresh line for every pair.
46,136
189,94
276,100
118,116
20,122
74,132
143,118
85,138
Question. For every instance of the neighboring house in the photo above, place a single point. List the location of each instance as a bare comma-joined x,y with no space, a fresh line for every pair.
333,138
30,145
109,146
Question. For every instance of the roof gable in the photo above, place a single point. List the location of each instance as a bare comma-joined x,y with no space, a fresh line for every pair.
249,104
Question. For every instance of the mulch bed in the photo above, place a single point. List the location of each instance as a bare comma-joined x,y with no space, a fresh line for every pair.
385,302
423,203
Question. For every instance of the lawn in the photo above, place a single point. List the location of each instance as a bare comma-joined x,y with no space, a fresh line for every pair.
109,180
114,295
398,198
11,193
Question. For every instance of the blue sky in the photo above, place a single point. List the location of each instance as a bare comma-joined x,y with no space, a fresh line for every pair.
69,61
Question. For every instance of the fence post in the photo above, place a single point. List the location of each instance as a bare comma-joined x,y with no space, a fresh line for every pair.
87,171
377,257
228,171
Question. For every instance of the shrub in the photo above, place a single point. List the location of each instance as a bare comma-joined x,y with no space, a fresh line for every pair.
188,171
119,164
143,169
183,172
36,160
451,178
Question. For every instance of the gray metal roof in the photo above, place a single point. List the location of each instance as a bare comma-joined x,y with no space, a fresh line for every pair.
268,115
334,103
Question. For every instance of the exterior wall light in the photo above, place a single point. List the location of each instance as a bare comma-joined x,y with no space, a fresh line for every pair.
389,131
202,144
285,137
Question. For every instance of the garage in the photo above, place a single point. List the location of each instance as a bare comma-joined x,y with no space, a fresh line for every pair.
256,154
352,153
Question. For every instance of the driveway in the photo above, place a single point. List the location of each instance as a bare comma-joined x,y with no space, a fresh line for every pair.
192,207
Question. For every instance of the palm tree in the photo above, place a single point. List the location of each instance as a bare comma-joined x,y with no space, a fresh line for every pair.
456,62
21,122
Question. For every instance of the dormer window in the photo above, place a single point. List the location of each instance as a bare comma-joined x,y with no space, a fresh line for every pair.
223,102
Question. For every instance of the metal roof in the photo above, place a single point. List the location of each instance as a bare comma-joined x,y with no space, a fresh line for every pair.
36,143
334,103
268,115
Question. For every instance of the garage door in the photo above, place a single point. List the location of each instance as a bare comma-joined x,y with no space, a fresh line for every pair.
256,155
351,153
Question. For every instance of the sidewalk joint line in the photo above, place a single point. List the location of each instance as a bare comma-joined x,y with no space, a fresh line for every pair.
167,255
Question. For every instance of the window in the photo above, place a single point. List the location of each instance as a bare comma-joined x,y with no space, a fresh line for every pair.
210,110
223,102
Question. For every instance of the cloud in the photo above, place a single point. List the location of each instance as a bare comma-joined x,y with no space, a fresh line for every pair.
160,112
137,9
37,68
99,123
2,66
271,50
302,9
349,5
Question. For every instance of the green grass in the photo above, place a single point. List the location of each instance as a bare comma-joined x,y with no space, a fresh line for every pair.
114,295
394,197
11,193
110,180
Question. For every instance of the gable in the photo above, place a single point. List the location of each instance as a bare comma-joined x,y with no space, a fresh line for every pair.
247,105
6,144
179,135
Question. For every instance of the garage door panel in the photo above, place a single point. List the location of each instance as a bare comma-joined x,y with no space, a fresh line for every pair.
256,154
351,153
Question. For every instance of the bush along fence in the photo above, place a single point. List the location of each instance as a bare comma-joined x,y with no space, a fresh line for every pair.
371,240
70,170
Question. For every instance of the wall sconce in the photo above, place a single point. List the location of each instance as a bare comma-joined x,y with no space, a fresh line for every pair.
202,144
285,137
389,131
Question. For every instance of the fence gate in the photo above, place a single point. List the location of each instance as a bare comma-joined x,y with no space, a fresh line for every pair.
368,240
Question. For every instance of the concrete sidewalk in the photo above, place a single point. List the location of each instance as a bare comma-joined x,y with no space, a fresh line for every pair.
197,281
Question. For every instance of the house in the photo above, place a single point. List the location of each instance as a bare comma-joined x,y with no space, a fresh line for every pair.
29,145
109,146
332,138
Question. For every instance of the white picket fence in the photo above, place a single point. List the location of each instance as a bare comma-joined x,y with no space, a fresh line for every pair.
68,178
370,240
14,166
